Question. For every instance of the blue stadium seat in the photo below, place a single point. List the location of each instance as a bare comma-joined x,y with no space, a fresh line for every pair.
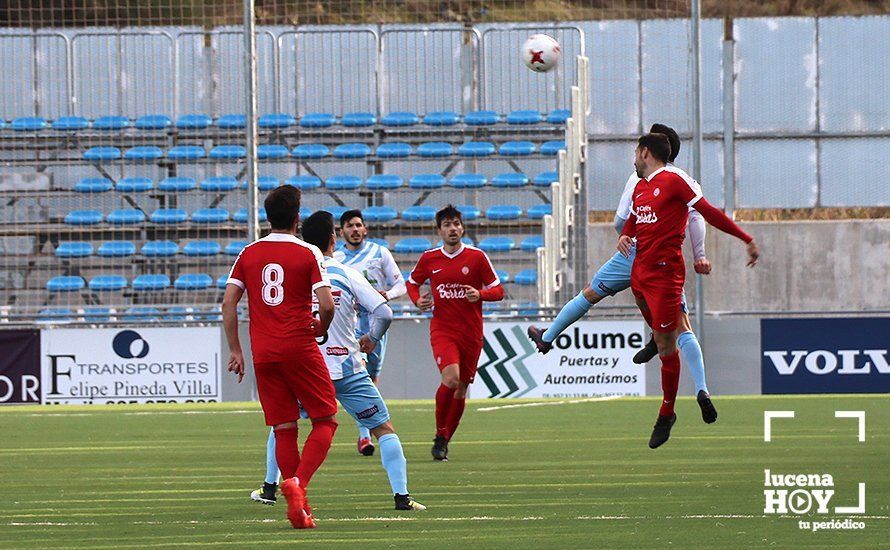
482,118
228,152
276,121
310,151
159,249
179,313
210,215
476,149
509,179
538,211
503,275
55,315
503,212
306,212
559,116
524,117
468,181
65,283
135,185
112,123
144,153
93,185
102,153
178,184
151,282
3,124
231,122
552,148
466,240
517,148
526,277
97,314
108,283
193,281
343,183
412,245
532,243
435,149
74,249
469,212
358,120
141,314
441,118
379,214
382,182
221,282
304,181
195,121
544,179
394,150
234,248
335,211
317,120
272,151
125,216
201,248
497,244
400,118
219,183
407,274
382,242
264,183
419,214
83,217
427,181
240,215
71,123
153,122
29,124
116,249
168,215
186,152
352,151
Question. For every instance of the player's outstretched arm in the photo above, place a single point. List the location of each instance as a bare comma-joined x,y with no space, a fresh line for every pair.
628,232
379,321
325,309
724,223
230,323
697,233
397,281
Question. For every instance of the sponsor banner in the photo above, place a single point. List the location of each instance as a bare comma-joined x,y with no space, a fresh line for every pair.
589,359
19,366
143,365
833,355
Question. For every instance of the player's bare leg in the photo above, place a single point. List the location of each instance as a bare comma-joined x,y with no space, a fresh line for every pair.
670,379
446,400
571,312
393,458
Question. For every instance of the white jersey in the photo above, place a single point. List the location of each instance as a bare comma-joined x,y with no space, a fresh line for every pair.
624,204
376,263
339,346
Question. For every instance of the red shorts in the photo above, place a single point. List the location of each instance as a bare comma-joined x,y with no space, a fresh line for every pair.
662,290
283,385
457,349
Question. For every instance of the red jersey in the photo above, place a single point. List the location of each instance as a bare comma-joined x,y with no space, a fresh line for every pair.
661,205
447,273
280,274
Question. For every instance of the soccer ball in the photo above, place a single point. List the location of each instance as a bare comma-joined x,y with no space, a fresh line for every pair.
540,53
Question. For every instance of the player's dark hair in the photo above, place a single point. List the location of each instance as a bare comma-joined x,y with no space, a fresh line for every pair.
658,146
349,214
283,207
673,138
318,228
448,213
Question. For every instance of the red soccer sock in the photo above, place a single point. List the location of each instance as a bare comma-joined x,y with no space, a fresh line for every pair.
454,415
315,450
287,452
444,399
670,381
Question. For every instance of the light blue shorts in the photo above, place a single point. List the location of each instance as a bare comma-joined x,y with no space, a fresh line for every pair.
374,360
361,399
614,276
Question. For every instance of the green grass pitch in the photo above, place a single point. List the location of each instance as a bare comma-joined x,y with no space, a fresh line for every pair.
557,475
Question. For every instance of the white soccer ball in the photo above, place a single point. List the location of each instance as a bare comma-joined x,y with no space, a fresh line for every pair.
540,53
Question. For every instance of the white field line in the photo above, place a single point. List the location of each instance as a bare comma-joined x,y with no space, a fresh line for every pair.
550,403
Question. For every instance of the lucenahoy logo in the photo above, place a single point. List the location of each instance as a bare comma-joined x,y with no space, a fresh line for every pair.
129,344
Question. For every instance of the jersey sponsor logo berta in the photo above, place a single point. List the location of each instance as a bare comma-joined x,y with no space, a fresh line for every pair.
336,350
451,291
645,214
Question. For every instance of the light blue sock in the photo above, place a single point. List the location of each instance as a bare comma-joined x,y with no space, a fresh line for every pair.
394,463
271,462
576,308
692,356
363,432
